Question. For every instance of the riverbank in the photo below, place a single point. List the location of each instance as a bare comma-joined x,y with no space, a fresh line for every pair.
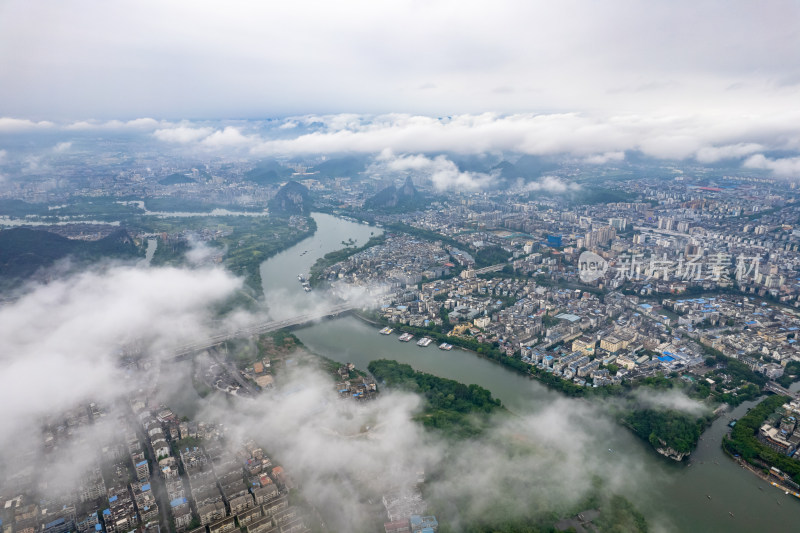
677,500
672,434
674,497
766,477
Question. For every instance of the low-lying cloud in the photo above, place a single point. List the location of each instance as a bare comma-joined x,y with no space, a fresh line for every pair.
674,400
182,134
442,173
60,347
589,138
552,184
60,342
344,454
10,124
785,167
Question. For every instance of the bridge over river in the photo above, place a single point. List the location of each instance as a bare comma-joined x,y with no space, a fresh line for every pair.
187,350
777,389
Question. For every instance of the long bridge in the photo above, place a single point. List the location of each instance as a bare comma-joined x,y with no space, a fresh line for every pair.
187,350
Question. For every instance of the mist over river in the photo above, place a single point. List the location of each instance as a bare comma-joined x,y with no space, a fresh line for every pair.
673,497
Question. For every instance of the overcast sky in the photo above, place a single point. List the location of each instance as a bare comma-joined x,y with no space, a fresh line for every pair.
69,60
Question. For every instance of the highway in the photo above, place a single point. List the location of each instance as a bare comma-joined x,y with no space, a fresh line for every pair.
187,350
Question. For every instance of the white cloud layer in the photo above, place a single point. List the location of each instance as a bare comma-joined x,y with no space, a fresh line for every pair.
182,134
602,159
145,123
440,171
10,124
342,454
788,167
59,343
712,154
133,58
589,138
593,138
551,184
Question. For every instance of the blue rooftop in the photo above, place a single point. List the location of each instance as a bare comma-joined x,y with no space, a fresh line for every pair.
112,499
145,487
177,501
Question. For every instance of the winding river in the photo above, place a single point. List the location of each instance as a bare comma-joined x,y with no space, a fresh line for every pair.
673,497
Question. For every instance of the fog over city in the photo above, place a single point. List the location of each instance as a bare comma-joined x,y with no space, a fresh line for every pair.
541,461
535,461
217,219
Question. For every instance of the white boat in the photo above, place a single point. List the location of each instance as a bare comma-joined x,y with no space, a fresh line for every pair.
445,346
405,337
424,341
386,331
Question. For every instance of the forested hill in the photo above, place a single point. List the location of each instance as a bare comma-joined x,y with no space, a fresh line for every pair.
23,251
292,199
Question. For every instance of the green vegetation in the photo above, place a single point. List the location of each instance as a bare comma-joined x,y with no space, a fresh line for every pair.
619,515
256,239
176,179
458,410
423,234
394,200
23,251
743,440
592,195
292,199
337,167
276,345
490,255
247,242
268,172
20,208
739,372
791,373
100,208
171,204
673,429
679,430
744,383
334,257
170,253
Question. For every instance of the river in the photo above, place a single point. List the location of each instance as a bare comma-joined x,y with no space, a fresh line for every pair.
676,495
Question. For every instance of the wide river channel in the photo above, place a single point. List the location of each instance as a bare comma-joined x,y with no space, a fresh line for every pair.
675,496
